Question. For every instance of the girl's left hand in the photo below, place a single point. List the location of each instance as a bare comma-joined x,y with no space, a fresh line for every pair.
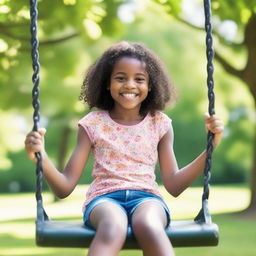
215,125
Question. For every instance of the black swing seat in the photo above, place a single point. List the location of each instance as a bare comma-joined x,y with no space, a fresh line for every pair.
182,233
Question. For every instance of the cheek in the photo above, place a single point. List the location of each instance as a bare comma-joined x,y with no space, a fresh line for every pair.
112,85
146,88
114,90
145,93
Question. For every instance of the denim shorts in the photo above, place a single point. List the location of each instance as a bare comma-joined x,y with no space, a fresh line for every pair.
127,200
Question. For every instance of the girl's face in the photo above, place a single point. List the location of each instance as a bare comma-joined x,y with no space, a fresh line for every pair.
129,84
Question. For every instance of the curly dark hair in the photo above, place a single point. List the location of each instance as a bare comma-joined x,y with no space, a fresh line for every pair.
95,86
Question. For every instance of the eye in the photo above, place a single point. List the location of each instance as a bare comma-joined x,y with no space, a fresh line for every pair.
140,79
120,78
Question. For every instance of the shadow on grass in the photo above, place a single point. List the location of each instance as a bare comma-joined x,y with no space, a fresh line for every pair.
11,245
237,237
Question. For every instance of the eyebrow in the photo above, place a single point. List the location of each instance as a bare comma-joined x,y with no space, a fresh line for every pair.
123,73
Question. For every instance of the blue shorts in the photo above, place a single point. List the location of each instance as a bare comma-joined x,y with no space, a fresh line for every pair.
127,200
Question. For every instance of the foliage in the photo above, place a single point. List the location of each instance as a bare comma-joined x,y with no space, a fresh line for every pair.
63,29
75,23
66,50
238,11
241,16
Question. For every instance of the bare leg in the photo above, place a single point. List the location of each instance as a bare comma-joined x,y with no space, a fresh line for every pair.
110,223
148,223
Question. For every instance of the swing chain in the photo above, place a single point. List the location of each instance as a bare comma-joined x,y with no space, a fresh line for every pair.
210,56
204,214
36,102
35,63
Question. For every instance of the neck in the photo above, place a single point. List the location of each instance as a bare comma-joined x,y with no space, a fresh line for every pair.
126,116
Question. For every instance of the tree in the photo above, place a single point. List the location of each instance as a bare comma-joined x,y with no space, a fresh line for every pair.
59,22
63,26
242,14
68,25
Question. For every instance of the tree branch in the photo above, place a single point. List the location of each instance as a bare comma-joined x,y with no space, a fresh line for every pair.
228,67
221,39
14,25
7,33
188,24
59,40
43,42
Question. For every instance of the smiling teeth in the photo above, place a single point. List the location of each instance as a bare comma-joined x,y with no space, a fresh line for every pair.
129,95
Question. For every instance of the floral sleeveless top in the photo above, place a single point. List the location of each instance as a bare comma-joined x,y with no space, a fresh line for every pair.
124,156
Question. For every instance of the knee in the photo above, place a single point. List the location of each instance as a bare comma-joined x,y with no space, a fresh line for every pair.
147,228
110,231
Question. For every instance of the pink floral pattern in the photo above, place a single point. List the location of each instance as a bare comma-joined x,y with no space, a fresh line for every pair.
124,156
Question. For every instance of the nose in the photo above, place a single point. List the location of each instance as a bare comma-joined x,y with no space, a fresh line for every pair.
129,84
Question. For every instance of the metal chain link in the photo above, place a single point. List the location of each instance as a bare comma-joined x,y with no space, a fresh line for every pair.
211,96
35,100
204,214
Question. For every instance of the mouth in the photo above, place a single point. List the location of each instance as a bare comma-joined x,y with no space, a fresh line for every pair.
129,95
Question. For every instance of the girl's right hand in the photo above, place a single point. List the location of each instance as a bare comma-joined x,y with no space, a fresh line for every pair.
34,143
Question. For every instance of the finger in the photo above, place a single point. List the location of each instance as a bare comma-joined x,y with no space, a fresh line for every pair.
213,122
32,156
214,125
217,130
33,135
42,131
30,150
31,147
212,119
33,141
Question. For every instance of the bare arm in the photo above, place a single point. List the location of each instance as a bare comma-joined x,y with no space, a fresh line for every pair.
177,180
62,183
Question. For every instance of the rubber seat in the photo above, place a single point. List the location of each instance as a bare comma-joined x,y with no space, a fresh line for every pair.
182,233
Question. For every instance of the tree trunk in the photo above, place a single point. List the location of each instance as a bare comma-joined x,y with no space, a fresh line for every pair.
252,204
248,76
63,149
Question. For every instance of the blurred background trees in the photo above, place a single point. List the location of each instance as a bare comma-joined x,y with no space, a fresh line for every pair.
234,30
73,33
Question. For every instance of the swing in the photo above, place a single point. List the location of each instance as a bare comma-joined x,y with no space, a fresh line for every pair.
183,233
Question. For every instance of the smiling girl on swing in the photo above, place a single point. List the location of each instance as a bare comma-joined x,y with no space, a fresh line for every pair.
127,134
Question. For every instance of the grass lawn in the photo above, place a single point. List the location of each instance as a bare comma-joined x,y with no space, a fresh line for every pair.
237,234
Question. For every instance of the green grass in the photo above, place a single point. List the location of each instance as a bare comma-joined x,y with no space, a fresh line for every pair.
237,234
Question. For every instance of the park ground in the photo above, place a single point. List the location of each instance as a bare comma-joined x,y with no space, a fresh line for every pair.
237,231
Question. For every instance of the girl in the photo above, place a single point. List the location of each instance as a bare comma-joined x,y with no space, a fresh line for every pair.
127,135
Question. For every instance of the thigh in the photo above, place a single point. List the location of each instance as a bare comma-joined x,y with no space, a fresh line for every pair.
150,212
108,211
148,223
